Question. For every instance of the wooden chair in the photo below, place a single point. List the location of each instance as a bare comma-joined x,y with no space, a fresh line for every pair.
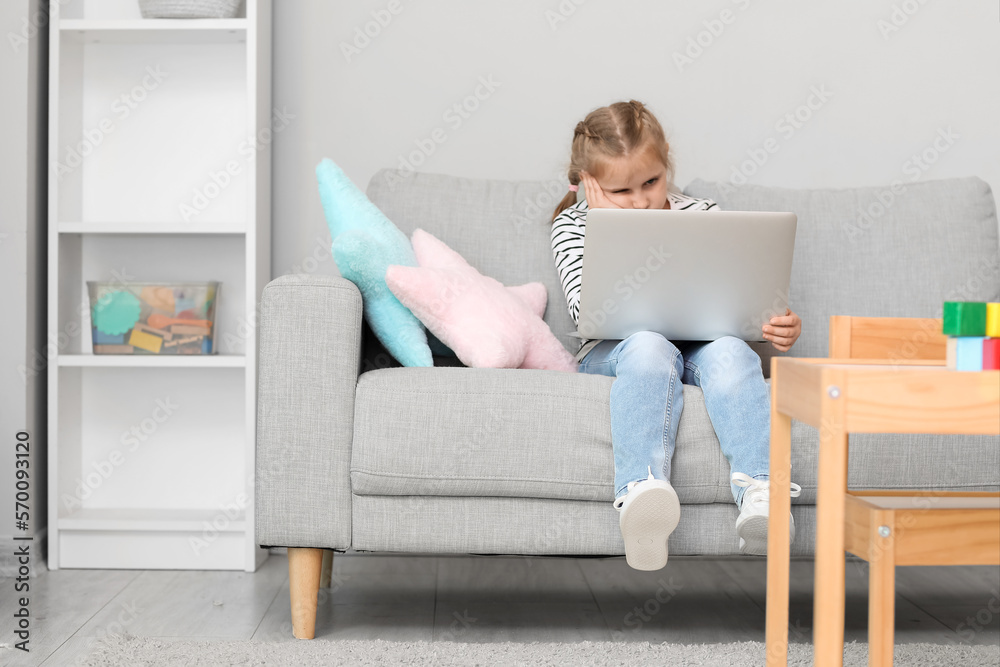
887,338
890,528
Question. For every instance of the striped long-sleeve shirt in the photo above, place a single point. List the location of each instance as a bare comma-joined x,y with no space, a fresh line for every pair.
568,230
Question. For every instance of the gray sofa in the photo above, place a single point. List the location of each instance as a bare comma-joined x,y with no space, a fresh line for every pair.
356,452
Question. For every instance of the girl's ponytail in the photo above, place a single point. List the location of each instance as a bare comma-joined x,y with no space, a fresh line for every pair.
568,200
581,133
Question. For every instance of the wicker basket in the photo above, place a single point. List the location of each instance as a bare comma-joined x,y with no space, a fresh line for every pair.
189,9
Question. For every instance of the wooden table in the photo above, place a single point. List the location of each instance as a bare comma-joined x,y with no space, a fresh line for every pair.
842,396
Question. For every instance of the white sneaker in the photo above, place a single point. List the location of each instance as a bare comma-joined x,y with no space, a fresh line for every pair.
649,513
751,525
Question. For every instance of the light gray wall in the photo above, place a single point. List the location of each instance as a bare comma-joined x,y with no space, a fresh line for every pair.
892,90
22,256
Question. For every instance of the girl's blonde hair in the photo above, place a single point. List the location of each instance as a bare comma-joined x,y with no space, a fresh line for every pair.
617,130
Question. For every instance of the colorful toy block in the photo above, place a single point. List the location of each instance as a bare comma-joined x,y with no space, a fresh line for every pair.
101,338
113,349
993,320
969,353
951,354
991,354
964,318
151,343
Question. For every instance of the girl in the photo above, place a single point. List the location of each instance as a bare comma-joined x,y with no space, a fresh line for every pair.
622,159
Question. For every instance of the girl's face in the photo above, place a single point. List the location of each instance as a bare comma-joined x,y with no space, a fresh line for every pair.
635,181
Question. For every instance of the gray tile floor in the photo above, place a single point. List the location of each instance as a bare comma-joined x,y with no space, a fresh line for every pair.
484,599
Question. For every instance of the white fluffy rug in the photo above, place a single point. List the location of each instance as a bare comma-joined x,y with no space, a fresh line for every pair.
129,650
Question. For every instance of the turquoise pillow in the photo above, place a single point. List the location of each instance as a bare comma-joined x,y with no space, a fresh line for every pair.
365,243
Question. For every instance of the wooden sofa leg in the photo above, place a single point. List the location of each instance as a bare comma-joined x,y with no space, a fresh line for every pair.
327,571
304,565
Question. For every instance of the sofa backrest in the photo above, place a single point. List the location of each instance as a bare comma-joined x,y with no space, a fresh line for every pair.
896,251
500,227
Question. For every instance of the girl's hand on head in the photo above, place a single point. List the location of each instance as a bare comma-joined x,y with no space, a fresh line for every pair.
783,330
594,193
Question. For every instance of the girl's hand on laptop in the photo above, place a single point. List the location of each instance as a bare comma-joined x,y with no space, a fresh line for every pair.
783,330
594,194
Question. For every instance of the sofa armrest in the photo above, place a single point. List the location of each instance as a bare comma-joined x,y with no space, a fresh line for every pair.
310,352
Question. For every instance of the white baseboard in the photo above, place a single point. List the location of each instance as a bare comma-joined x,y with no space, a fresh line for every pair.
37,552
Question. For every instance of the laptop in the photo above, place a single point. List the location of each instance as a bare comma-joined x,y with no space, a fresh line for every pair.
689,275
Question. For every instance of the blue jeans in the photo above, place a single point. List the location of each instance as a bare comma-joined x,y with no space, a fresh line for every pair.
647,399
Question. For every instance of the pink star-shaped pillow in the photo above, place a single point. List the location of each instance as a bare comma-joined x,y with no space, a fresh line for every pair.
486,324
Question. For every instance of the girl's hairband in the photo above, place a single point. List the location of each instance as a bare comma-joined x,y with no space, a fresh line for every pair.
573,188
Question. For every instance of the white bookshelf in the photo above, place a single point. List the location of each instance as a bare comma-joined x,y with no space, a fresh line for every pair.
149,228
151,459
144,361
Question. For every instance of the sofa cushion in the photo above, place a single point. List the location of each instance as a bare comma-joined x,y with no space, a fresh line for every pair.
365,242
487,324
544,527
500,227
505,432
893,251
544,434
